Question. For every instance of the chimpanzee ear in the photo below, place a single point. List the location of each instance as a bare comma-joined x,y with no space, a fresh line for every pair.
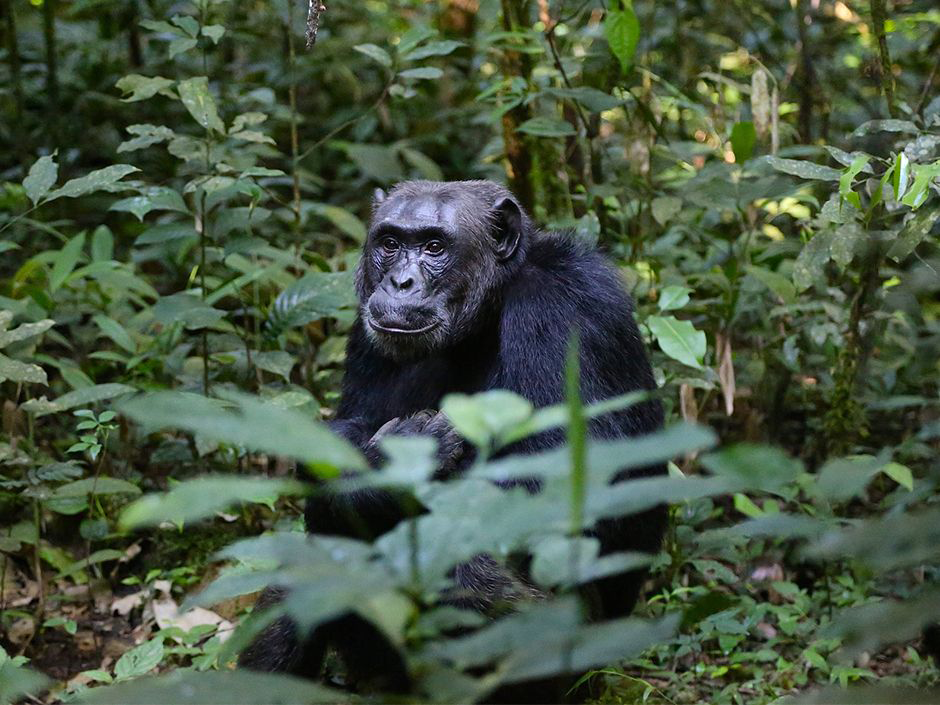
377,197
507,228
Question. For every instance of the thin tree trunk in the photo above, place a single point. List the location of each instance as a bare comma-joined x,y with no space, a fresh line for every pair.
135,52
520,160
886,75
13,57
292,103
52,77
806,77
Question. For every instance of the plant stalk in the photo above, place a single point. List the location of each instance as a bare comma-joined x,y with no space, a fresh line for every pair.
886,75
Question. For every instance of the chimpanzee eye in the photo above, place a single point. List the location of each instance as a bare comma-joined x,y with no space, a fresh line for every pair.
434,247
390,244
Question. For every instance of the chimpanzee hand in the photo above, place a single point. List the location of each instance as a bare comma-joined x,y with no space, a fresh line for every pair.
450,445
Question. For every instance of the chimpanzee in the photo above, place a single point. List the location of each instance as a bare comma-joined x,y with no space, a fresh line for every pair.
460,292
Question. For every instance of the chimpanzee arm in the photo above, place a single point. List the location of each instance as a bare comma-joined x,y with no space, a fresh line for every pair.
546,304
368,387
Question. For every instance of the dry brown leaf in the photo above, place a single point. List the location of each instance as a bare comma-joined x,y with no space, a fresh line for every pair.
124,605
166,613
726,371
687,404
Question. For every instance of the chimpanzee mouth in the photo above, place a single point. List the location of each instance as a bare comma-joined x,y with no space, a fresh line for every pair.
391,330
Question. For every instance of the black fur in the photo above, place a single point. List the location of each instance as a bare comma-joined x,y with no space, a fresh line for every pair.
506,298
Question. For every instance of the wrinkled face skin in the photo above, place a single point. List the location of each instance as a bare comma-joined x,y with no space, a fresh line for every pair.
430,261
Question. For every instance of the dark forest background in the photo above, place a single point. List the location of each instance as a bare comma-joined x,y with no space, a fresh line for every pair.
184,189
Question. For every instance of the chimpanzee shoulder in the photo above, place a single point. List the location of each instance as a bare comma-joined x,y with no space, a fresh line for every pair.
565,286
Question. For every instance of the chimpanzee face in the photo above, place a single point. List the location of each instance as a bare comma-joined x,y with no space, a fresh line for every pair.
432,258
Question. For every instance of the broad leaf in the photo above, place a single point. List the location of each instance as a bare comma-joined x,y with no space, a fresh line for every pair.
201,498
100,180
679,339
253,423
622,30
194,92
42,176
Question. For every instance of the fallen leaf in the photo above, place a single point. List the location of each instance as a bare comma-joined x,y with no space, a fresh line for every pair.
726,371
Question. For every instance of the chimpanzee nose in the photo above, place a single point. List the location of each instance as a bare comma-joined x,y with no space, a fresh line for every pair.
403,281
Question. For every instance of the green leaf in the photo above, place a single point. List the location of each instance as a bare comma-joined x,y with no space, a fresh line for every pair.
17,681
845,478
622,30
810,264
223,687
65,261
867,128
99,486
746,506
146,136
277,362
201,498
376,53
413,37
317,295
160,26
78,397
102,556
153,198
178,46
924,175
546,127
848,177
102,244
136,87
900,474
673,297
187,309
757,467
16,371
166,232
846,240
215,32
42,177
255,424
678,339
743,140
902,168
777,283
188,24
425,165
665,208
381,163
343,219
194,93
441,48
116,332
99,180
139,660
23,332
594,100
867,628
913,233
804,170
422,72
885,543
483,417
253,136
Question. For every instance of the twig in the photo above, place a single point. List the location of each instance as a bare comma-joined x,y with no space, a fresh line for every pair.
314,8
351,121
292,101
886,76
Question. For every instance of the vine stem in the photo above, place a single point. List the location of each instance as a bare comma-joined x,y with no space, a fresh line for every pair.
886,76
292,103
204,224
